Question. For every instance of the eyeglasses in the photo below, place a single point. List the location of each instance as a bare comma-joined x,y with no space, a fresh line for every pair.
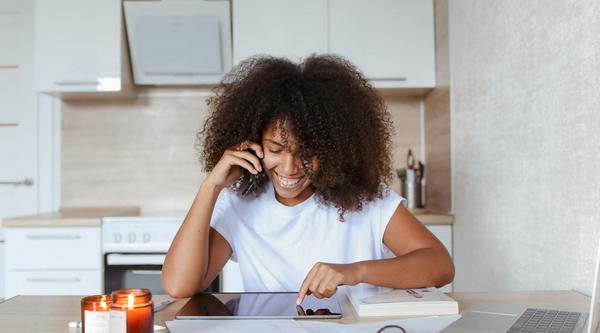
391,329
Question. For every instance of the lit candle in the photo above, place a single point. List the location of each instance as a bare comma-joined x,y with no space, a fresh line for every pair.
131,311
95,314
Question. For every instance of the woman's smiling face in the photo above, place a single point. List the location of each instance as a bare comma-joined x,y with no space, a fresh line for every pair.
281,163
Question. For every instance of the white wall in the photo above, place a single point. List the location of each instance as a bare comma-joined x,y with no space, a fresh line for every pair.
525,104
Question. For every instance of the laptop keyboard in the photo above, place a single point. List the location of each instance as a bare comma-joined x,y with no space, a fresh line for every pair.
540,320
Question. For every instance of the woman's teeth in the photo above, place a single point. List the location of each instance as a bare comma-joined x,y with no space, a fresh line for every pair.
288,182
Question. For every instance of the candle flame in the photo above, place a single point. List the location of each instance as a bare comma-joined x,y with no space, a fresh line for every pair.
130,301
103,303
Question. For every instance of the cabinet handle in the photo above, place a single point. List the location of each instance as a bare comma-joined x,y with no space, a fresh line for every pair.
45,280
53,237
9,66
76,83
186,74
388,79
26,182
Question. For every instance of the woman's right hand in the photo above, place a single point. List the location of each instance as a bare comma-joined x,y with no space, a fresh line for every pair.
229,167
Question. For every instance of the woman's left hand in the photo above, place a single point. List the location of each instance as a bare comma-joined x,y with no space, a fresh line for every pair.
324,278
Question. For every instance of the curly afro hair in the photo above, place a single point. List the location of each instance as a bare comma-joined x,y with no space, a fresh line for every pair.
329,108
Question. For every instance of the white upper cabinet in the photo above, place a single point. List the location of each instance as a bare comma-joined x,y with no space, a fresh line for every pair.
12,37
78,46
10,26
390,41
283,28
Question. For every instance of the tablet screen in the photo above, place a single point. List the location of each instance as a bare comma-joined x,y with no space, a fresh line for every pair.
257,305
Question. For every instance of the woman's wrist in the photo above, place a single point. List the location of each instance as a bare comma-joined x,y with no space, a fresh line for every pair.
360,270
209,188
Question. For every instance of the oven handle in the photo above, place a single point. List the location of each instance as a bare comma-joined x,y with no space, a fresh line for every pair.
145,272
135,259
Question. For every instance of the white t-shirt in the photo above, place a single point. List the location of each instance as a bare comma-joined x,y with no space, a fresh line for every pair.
277,245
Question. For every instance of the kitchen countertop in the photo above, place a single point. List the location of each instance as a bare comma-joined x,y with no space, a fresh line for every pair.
90,217
71,217
432,218
53,313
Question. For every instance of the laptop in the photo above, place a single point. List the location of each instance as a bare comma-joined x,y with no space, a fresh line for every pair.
263,305
514,318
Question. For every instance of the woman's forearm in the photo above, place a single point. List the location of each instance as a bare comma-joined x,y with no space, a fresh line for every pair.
420,268
187,259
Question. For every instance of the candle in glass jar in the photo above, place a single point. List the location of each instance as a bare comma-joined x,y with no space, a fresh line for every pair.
95,314
131,311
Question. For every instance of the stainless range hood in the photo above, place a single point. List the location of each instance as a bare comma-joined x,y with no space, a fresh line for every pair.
179,42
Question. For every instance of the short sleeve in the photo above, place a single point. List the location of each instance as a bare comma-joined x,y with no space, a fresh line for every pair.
387,206
221,221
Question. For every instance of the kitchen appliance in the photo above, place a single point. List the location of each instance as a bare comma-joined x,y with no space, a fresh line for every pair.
134,249
178,42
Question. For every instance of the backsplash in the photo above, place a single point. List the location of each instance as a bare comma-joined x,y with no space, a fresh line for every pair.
141,151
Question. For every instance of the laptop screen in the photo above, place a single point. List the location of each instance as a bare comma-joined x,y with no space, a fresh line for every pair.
594,307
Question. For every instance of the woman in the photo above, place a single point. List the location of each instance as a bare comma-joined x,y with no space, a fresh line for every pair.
315,137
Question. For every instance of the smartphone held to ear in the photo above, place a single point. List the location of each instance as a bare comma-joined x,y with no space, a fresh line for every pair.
248,178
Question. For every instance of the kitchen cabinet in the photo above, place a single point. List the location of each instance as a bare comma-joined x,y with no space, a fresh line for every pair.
13,32
53,260
79,46
22,151
282,28
54,282
2,269
11,95
390,41
10,25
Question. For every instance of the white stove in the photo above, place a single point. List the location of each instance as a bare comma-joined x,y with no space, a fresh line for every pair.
134,249
138,234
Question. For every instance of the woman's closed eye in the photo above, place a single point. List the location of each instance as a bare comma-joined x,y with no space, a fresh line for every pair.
274,151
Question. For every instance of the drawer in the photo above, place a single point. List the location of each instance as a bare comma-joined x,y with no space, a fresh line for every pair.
53,282
53,248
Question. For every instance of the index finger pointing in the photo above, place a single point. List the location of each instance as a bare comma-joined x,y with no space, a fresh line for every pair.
307,280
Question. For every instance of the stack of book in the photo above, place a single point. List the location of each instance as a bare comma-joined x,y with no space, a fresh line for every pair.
403,302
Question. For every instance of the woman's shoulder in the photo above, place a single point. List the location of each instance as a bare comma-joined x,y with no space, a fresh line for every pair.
386,197
382,205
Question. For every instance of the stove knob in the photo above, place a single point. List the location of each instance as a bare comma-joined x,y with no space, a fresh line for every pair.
131,237
117,237
146,237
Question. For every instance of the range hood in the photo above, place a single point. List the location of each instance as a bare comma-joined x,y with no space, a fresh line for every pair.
178,42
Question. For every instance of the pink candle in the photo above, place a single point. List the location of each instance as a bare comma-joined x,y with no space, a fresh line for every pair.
131,311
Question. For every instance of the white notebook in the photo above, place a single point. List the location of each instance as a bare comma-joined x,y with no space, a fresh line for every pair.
403,302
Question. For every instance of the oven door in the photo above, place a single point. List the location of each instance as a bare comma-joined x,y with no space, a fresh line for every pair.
137,270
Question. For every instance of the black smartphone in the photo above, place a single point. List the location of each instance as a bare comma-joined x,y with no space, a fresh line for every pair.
248,178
